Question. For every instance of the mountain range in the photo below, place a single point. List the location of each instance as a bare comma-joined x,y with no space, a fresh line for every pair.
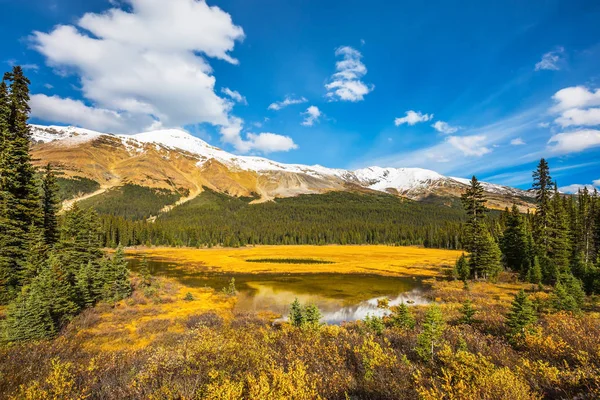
176,161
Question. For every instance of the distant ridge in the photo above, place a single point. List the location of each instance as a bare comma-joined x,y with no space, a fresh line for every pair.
173,159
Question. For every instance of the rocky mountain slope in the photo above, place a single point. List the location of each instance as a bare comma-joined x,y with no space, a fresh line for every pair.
177,161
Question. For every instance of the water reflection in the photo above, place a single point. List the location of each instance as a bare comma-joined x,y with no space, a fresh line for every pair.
340,297
369,307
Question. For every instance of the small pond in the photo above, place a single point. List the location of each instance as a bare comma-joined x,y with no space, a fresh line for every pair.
340,297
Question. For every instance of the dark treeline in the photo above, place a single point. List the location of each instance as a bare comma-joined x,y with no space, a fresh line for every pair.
558,244
50,268
333,218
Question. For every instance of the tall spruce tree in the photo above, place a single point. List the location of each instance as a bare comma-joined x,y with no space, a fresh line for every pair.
474,201
50,206
115,277
558,239
485,260
514,242
542,185
48,276
462,270
19,194
484,257
80,239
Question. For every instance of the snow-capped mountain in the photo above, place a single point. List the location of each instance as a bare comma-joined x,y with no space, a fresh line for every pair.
174,159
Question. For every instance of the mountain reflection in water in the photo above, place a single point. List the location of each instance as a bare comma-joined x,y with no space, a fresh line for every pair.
340,297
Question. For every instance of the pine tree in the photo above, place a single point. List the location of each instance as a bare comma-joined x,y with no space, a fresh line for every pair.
88,285
59,292
431,334
574,287
50,205
467,312
461,268
296,316
80,239
145,272
312,316
37,255
558,234
4,132
19,197
534,274
28,316
115,277
514,242
11,253
485,256
19,172
521,316
542,185
474,201
561,300
402,317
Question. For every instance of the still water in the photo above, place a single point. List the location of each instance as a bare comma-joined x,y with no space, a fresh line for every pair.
340,297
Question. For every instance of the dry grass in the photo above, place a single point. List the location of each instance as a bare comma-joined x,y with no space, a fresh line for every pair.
146,318
380,260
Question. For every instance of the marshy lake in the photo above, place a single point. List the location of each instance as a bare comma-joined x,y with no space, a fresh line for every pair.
340,296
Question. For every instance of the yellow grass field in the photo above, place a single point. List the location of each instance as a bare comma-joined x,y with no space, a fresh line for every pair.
139,320
380,260
142,319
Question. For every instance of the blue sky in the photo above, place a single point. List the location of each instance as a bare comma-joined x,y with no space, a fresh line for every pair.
462,88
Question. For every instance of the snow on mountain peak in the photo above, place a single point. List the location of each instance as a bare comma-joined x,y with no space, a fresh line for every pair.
402,179
375,178
173,139
65,134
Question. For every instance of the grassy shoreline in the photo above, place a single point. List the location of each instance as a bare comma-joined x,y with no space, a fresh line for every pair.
401,261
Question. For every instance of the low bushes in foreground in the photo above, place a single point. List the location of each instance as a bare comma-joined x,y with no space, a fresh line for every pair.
426,353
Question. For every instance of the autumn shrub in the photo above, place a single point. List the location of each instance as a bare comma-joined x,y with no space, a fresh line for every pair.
242,355
209,319
465,375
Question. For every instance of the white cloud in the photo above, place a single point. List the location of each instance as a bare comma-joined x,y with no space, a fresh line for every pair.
56,109
579,117
597,182
445,158
48,86
269,142
234,95
413,118
146,64
550,60
574,188
288,101
576,141
575,97
470,145
517,142
346,84
31,67
444,127
311,115
543,125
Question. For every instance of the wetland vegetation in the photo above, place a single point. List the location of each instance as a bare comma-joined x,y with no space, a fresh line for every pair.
514,317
